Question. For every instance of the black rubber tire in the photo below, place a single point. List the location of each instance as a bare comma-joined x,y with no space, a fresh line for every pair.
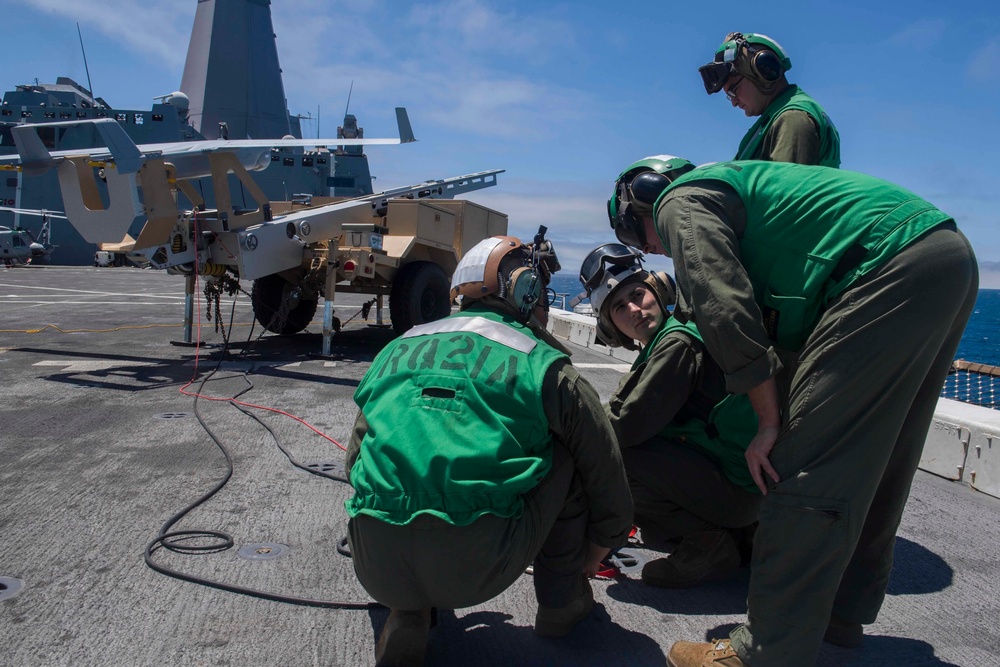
420,294
267,295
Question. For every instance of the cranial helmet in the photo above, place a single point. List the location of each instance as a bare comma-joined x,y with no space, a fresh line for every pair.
607,269
504,267
637,189
756,57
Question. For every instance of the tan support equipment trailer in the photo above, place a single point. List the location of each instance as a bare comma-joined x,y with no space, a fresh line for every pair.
404,242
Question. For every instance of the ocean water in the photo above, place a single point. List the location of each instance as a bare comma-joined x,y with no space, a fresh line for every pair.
980,344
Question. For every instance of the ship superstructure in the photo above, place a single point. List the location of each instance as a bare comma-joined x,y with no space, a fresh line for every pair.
231,88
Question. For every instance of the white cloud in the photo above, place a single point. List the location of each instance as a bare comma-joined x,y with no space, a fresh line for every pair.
467,66
921,35
160,32
473,28
574,213
982,69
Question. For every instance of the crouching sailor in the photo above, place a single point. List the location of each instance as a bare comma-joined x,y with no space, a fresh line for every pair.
683,436
478,451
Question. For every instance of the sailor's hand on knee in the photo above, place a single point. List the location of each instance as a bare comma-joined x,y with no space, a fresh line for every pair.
758,456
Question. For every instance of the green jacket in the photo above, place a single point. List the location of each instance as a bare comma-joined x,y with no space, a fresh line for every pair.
792,99
720,428
456,425
810,233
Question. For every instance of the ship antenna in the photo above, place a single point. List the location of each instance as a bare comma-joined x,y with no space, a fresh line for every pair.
85,67
349,91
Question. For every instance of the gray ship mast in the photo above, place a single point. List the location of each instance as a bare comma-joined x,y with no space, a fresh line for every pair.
231,75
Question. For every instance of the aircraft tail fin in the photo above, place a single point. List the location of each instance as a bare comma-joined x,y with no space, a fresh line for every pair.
35,157
405,131
45,236
128,157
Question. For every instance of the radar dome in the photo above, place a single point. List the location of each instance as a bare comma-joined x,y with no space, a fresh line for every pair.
178,99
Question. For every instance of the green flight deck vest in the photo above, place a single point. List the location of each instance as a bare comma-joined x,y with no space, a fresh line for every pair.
457,428
810,233
793,98
720,429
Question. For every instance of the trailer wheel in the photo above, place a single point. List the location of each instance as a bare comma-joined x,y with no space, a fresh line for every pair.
278,306
420,294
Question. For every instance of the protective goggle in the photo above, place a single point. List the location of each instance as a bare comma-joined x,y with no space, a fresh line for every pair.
615,254
715,75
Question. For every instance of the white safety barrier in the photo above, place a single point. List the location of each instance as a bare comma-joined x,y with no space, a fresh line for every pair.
962,444
582,330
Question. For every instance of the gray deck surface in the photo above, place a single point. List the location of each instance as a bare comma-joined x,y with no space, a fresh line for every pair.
99,447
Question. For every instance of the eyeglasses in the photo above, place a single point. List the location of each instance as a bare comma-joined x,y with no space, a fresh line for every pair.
731,93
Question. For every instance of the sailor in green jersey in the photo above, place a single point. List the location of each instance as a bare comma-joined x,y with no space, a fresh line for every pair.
682,435
792,126
811,288
478,450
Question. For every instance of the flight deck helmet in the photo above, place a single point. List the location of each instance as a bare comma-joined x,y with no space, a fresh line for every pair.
605,270
503,267
637,189
756,57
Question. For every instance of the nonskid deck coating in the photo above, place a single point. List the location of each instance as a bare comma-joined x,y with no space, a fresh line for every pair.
91,469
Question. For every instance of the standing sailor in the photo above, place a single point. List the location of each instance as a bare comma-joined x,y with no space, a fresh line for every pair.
832,272
792,126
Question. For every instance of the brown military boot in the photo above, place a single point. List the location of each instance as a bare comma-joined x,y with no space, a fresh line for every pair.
560,621
698,558
716,653
403,642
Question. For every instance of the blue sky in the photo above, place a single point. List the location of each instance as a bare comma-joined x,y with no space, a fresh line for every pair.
564,95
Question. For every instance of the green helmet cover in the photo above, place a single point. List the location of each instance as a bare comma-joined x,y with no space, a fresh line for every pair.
620,217
759,40
661,164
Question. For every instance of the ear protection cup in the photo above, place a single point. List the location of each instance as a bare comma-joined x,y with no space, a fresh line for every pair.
525,289
612,337
647,186
663,288
766,66
755,59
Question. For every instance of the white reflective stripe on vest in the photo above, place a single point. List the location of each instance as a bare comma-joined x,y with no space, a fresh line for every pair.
498,333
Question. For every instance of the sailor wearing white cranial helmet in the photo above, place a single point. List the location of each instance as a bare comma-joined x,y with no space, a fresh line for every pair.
478,444
607,269
683,447
508,270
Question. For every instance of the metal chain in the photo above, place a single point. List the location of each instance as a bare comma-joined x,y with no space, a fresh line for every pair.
214,289
365,309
